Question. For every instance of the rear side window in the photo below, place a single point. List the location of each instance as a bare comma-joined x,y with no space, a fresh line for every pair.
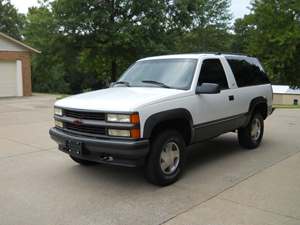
212,72
247,73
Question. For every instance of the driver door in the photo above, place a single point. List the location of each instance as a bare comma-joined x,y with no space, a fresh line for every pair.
213,110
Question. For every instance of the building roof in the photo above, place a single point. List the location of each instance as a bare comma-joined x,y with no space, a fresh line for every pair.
285,89
19,43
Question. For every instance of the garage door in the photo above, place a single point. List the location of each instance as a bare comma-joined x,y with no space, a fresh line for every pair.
8,78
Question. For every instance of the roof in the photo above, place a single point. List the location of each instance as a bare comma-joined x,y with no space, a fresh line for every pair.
285,89
19,43
194,56
179,56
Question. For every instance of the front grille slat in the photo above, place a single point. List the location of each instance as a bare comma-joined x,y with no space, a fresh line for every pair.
85,129
84,115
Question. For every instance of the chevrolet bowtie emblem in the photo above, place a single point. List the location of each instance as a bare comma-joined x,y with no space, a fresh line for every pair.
77,122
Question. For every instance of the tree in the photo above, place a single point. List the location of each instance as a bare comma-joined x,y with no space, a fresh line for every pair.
11,22
207,28
112,33
48,68
88,43
272,33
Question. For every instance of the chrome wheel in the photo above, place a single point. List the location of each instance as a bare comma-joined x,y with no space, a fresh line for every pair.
169,158
255,129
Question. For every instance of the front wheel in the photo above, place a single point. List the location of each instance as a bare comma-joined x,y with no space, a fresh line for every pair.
250,137
166,159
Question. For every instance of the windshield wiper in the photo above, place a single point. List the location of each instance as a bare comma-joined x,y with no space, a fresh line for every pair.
126,83
156,83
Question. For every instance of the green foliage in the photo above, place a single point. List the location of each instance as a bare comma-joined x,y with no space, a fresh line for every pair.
11,22
272,33
286,106
206,28
48,68
86,44
207,39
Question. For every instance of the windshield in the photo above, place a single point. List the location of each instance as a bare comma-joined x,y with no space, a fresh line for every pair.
172,73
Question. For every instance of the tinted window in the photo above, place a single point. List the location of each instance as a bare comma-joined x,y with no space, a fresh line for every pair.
212,72
247,73
176,73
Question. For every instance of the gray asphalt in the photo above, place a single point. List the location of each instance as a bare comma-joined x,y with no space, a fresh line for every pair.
223,183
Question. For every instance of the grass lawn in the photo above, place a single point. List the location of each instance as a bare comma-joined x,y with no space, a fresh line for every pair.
286,106
62,96
57,95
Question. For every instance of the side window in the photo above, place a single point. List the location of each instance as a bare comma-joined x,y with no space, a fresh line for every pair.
247,73
212,71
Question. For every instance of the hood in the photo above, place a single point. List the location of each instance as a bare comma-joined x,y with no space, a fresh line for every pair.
119,99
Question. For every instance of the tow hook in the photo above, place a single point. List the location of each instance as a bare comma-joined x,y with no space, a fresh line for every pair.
107,158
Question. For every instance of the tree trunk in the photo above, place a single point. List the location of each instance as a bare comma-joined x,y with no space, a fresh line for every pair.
113,61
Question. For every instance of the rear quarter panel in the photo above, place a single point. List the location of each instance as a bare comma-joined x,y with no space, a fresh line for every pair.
245,95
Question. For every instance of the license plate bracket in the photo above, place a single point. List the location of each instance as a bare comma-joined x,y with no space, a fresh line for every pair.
75,148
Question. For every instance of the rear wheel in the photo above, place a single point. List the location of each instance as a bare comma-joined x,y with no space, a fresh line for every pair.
82,161
250,137
166,159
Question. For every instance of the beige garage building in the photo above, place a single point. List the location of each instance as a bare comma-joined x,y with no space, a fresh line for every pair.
15,67
284,95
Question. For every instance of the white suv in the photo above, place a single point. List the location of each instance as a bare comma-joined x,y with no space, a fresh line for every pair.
161,105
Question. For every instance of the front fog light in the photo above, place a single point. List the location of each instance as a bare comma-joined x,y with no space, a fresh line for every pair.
119,133
121,118
57,111
59,124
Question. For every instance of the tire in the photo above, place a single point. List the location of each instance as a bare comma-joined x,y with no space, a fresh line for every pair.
82,161
250,138
165,147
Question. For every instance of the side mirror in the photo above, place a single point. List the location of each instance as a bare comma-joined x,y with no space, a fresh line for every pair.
111,84
208,88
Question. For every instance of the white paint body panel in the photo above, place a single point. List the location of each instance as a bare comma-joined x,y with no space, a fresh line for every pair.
119,99
148,101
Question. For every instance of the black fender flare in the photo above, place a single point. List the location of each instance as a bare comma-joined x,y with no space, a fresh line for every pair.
157,118
255,102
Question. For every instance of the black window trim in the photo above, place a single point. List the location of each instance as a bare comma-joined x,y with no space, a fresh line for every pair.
240,59
215,58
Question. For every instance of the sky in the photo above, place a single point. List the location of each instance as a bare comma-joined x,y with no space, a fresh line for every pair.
238,7
23,5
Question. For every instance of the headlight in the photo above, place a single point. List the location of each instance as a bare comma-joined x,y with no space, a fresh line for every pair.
57,111
59,124
119,133
121,118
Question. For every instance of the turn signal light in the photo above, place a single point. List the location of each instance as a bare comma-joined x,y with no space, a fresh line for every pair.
135,133
134,118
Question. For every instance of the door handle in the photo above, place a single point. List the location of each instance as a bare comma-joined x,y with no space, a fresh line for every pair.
231,98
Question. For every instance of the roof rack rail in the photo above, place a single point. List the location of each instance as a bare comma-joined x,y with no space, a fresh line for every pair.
233,53
224,53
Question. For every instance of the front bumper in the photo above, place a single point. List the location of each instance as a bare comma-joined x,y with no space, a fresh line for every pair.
109,151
